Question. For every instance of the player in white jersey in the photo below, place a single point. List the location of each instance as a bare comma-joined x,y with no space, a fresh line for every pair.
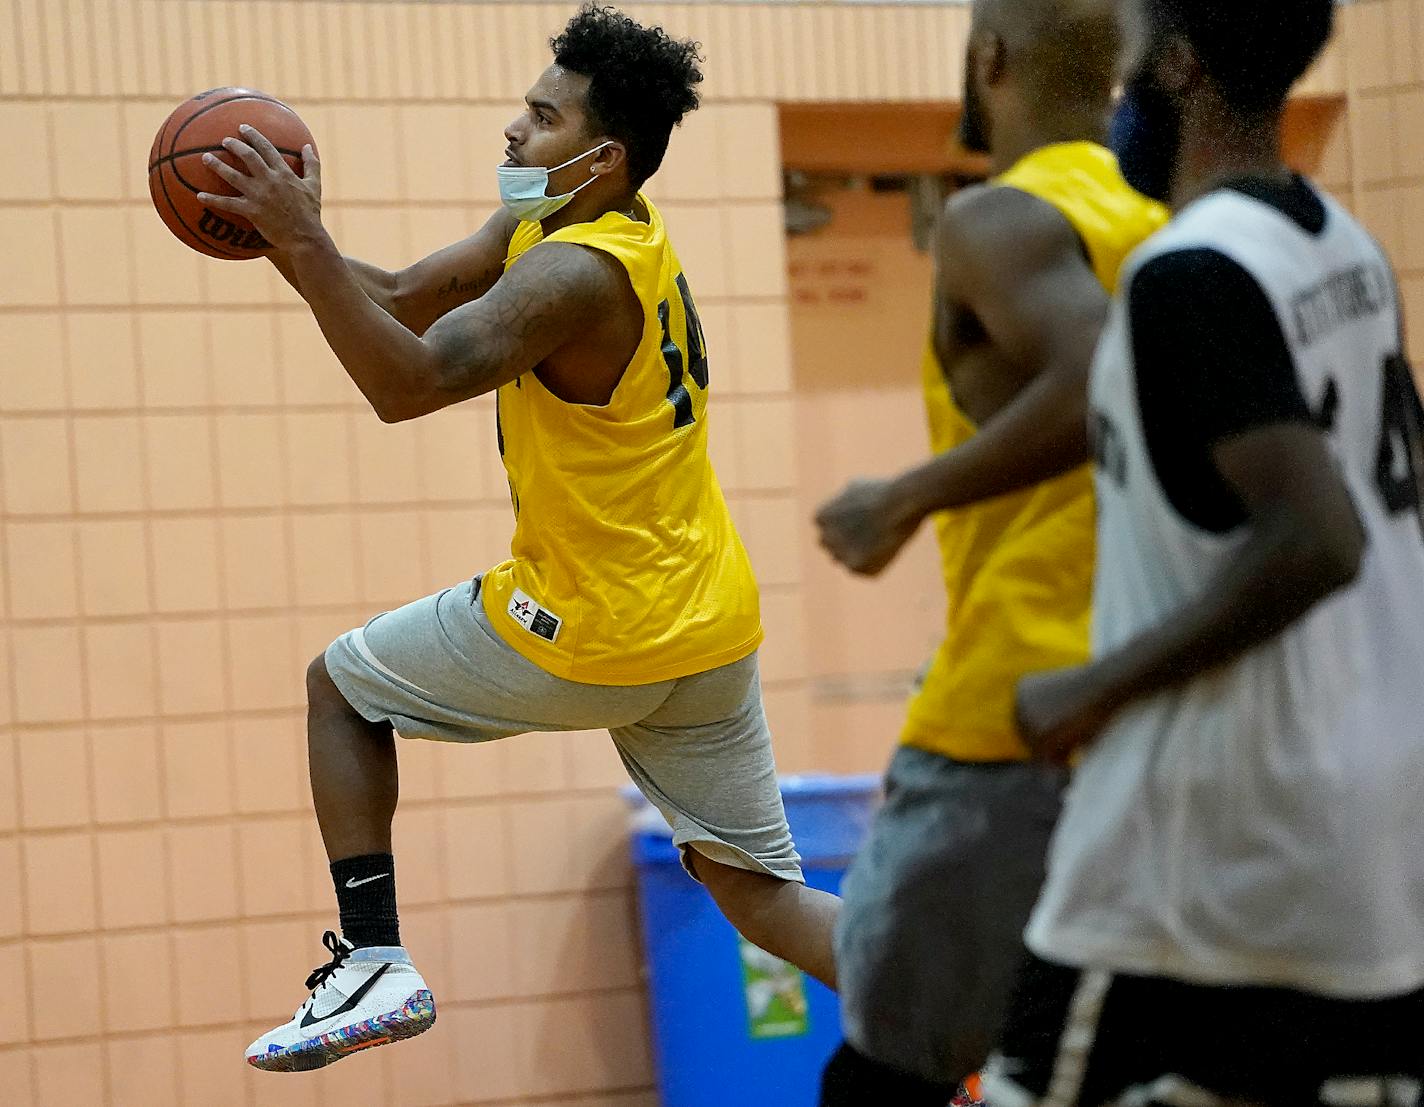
1234,911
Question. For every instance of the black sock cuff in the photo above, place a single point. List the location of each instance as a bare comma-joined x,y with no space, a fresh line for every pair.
366,897
366,865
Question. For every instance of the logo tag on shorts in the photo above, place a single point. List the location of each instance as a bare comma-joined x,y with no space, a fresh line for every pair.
533,618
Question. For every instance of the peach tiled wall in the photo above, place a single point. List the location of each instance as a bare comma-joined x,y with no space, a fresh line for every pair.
859,314
193,501
1379,160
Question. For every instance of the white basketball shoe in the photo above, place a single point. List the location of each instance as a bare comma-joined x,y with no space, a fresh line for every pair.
361,998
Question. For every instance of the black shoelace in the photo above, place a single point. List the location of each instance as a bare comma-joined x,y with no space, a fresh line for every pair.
339,954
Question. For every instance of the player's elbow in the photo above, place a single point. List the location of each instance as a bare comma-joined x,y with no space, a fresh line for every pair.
387,413
399,408
416,387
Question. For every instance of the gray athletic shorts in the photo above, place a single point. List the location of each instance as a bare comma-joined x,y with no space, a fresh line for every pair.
930,936
698,747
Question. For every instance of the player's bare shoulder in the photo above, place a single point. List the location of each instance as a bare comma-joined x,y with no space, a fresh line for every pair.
1015,281
578,280
988,236
995,227
584,294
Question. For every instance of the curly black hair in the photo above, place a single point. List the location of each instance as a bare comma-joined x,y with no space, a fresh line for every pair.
641,81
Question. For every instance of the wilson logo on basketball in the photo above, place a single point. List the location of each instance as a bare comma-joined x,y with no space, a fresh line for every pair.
220,229
177,172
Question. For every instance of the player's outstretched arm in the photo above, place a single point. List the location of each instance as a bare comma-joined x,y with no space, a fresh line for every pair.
1304,543
556,294
454,276
379,284
1014,262
419,294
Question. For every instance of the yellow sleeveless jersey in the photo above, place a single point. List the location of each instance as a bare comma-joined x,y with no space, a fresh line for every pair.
1019,569
626,567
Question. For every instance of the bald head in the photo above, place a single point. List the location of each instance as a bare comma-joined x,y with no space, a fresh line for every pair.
1042,69
1055,48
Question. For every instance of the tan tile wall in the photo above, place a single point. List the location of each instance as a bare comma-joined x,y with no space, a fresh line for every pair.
193,501
860,302
1379,159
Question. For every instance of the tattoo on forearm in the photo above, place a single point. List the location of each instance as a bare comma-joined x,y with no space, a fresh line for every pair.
455,286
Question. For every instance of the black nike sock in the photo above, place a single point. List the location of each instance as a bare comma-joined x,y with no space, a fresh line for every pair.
366,896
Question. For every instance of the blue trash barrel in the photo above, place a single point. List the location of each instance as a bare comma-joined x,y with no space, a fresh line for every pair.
732,1026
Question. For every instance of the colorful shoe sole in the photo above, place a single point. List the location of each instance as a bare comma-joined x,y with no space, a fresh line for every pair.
415,1016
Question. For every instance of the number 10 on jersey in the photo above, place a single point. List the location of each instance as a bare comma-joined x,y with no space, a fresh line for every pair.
692,354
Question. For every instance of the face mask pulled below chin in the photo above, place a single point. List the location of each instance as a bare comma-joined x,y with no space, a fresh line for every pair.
1145,135
523,189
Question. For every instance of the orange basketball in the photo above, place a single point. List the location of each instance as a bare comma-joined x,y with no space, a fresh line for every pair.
176,173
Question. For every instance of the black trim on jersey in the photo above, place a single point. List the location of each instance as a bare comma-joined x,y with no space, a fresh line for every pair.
1295,198
1211,362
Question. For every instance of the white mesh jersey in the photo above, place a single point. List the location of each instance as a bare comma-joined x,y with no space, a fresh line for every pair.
1264,824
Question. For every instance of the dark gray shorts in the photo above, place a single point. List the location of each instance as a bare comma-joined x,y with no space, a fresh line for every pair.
931,933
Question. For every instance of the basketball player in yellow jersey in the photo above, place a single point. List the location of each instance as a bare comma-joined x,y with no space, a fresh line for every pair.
930,933
628,602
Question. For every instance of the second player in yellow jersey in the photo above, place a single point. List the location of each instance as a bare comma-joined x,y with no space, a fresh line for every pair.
1018,569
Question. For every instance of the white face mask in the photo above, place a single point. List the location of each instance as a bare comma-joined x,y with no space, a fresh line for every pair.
524,188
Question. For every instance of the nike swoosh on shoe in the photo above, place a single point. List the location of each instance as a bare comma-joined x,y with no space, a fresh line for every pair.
311,1019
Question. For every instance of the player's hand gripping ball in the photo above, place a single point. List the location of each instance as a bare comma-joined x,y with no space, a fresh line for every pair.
182,170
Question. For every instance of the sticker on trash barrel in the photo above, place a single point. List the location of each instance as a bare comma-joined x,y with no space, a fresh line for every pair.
775,993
